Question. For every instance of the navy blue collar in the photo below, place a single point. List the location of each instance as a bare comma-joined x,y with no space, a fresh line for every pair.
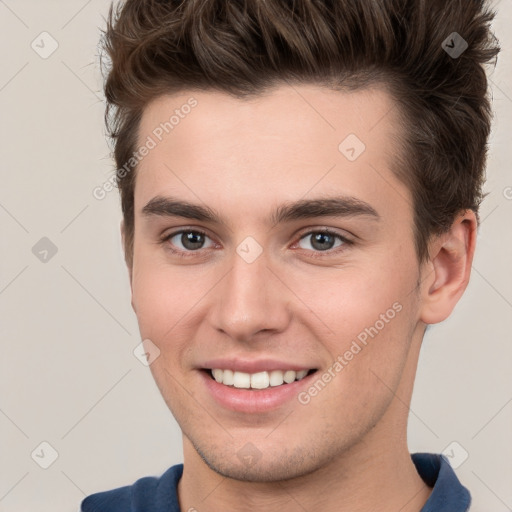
448,494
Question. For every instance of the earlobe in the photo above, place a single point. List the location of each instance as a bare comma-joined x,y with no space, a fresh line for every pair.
450,268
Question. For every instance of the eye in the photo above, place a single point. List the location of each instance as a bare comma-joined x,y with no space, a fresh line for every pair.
323,240
186,242
191,240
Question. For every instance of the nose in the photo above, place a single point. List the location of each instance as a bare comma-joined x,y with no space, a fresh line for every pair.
250,300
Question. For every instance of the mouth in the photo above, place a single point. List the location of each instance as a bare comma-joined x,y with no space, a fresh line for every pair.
259,380
254,386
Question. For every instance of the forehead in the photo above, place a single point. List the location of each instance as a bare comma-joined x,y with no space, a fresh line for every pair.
286,114
282,145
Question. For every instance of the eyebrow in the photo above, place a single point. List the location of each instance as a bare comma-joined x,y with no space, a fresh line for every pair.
343,206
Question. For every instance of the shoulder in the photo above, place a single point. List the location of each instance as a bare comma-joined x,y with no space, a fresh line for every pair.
147,494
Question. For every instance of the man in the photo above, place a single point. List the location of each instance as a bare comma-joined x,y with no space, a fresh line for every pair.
300,184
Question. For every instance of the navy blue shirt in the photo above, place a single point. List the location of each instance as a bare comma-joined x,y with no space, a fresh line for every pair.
159,494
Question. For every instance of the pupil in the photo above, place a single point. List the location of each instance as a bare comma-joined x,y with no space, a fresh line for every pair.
192,240
321,238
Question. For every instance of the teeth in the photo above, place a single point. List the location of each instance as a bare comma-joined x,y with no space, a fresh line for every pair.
289,376
276,378
228,377
241,380
260,380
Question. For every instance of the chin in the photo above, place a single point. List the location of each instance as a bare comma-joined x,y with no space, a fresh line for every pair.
273,466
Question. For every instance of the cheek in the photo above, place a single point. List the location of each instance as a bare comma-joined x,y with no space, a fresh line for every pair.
159,296
369,353
168,301
162,302
370,312
352,299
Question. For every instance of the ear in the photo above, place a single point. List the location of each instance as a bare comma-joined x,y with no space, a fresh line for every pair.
123,242
446,275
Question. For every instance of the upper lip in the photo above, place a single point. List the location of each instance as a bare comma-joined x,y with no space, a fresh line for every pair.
252,365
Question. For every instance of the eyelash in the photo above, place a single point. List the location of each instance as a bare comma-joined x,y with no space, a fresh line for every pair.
315,254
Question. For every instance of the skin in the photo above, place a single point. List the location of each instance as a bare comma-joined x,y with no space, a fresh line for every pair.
346,449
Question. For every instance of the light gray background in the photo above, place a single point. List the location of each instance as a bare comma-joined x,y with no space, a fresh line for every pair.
67,372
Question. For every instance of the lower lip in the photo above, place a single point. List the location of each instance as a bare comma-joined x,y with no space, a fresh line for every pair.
253,400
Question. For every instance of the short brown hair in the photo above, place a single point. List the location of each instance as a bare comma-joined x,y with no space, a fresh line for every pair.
244,47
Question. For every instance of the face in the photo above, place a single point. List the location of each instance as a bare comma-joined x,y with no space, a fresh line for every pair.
272,251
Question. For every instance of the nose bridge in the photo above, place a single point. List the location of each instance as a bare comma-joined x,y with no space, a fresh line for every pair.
248,301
